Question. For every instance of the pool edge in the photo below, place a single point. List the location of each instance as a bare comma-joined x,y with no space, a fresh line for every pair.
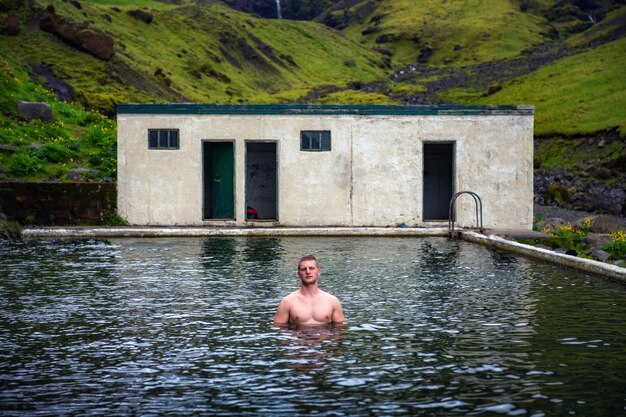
148,231
612,272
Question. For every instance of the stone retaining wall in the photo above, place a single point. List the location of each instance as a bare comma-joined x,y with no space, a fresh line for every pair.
58,204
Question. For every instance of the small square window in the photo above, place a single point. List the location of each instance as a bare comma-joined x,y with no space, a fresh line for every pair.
315,140
163,139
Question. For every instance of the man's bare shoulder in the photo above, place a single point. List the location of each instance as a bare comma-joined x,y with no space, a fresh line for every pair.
291,296
330,297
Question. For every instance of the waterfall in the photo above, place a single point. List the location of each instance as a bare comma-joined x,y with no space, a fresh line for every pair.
278,14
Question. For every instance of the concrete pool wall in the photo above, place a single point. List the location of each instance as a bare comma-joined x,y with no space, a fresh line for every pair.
491,240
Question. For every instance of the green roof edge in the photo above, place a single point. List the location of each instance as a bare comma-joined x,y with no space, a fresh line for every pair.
317,109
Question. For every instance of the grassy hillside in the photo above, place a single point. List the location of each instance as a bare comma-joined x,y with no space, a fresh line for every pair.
579,94
446,33
191,52
36,150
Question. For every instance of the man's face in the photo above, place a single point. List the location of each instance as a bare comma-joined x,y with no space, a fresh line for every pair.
308,272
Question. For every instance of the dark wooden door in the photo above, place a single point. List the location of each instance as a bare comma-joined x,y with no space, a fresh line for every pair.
438,180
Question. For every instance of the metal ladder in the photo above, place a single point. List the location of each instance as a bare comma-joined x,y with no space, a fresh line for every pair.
452,212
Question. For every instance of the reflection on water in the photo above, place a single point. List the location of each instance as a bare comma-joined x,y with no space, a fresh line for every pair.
183,326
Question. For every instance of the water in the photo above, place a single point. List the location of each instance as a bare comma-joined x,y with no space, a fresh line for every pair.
183,327
278,13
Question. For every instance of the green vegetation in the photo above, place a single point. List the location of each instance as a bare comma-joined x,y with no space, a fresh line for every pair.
574,154
76,139
581,94
115,221
568,237
10,230
357,97
198,53
617,247
459,33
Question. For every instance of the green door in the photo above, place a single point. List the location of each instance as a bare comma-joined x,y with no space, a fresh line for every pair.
219,193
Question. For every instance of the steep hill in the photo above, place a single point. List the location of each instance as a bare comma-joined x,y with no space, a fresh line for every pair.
450,33
192,51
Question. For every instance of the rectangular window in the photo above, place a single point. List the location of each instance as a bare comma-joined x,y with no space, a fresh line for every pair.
315,140
163,139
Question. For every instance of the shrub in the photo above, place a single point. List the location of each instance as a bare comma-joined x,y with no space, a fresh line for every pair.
617,248
568,237
115,220
22,165
105,160
54,152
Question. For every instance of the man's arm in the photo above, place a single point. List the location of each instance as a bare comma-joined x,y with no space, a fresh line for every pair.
282,313
338,316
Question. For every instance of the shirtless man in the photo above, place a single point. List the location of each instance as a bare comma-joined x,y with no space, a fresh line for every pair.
309,305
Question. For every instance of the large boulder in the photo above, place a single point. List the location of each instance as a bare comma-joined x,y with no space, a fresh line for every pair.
602,223
552,223
605,198
30,110
78,35
597,240
141,15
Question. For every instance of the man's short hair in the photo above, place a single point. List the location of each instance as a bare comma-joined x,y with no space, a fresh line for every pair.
307,258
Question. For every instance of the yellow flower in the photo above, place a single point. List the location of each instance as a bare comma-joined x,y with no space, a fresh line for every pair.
619,236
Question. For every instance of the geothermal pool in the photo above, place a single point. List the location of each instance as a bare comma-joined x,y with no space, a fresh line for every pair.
182,326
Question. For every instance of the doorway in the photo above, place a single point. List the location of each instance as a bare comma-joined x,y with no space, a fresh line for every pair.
261,180
218,180
438,180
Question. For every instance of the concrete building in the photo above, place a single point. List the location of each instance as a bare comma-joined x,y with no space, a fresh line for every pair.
319,165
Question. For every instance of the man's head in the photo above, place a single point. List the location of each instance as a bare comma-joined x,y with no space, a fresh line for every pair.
308,270
307,258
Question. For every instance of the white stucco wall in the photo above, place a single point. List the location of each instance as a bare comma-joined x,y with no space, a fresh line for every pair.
371,177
